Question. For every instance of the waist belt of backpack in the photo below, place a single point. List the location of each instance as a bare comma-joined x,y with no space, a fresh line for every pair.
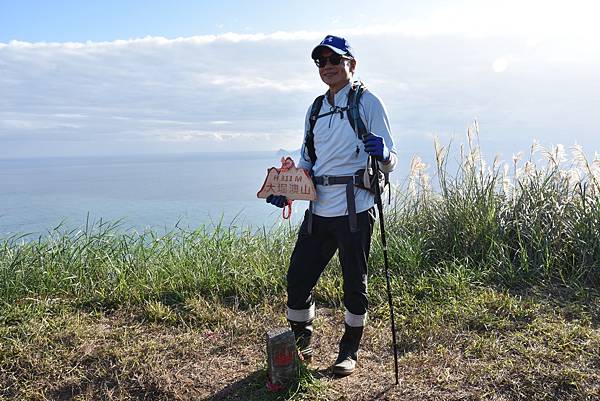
349,181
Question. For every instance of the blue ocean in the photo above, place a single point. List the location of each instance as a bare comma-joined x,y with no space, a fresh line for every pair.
150,192
157,192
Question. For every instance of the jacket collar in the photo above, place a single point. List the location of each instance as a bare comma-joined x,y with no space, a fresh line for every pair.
340,98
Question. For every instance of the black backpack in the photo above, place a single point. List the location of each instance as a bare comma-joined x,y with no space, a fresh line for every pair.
356,122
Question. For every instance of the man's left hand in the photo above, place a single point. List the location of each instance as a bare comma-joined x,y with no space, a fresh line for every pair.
375,146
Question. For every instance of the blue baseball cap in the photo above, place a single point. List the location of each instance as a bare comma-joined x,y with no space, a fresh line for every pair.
336,44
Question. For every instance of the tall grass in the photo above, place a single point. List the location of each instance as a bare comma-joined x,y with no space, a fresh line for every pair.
102,263
529,223
533,222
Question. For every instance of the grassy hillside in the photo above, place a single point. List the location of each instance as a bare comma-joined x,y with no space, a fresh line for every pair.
495,271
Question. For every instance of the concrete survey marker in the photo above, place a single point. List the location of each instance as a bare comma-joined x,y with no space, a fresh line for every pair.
282,358
290,181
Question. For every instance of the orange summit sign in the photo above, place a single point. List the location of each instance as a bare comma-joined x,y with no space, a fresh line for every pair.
290,181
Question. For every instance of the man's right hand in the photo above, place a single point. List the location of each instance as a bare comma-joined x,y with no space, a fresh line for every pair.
277,200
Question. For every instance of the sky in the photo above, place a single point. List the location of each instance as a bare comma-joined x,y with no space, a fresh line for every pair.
144,77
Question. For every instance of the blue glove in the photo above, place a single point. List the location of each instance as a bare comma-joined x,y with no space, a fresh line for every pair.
375,146
277,200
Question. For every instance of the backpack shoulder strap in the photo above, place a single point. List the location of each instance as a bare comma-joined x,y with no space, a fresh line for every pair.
357,90
309,140
356,122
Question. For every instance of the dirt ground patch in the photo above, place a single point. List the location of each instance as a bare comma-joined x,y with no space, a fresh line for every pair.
123,355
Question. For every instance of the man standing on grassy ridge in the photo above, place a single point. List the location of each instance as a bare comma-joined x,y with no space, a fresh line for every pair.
344,128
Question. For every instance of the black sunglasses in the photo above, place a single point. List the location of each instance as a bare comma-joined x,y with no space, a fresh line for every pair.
334,59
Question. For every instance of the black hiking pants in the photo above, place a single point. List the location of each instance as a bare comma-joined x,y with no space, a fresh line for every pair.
312,253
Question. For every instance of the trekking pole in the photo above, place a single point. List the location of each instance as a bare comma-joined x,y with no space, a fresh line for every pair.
385,260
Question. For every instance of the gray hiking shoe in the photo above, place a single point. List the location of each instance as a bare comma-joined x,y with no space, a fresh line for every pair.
345,364
305,355
348,355
303,333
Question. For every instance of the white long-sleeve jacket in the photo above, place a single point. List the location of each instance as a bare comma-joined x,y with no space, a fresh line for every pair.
340,152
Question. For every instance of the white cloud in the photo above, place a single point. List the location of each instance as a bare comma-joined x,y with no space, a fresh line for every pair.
29,122
533,19
230,37
251,91
260,83
500,64
238,139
